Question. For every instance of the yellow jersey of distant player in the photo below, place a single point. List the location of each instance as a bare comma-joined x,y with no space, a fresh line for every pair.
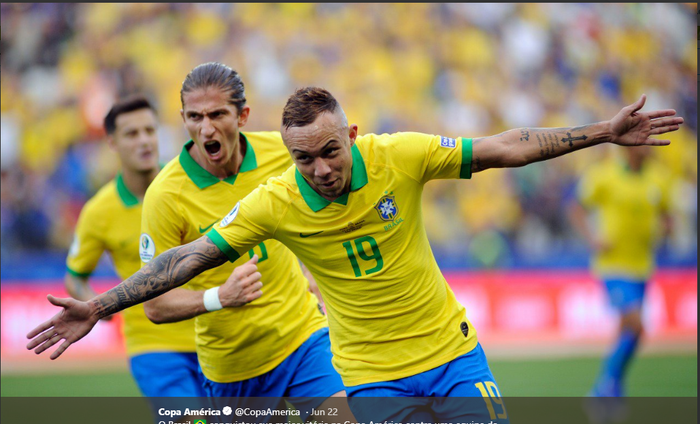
181,205
629,205
111,221
390,311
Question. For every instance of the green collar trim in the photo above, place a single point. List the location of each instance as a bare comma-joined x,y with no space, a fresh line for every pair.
203,178
127,197
358,180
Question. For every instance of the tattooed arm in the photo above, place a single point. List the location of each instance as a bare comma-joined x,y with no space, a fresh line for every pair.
171,269
519,147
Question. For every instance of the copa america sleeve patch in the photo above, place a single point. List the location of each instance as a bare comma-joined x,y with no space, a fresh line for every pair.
448,142
74,247
231,216
147,248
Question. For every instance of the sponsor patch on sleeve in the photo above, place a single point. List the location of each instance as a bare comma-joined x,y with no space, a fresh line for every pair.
147,248
448,142
74,247
231,216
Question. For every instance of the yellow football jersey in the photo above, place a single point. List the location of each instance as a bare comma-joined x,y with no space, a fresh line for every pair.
183,203
111,221
390,311
629,206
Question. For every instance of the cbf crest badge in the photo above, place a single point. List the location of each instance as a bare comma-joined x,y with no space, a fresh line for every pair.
387,208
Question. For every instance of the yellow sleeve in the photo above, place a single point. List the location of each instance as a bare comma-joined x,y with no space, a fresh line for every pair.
250,222
161,225
88,244
430,157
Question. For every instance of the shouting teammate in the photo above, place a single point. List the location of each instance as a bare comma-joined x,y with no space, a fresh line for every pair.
278,344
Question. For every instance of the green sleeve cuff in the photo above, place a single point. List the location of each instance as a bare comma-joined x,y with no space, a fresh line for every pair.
219,241
465,172
78,274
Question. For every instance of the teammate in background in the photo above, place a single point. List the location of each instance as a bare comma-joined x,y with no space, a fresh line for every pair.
630,199
162,359
351,211
277,345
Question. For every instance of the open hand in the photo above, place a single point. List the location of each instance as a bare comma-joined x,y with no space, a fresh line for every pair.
70,324
633,128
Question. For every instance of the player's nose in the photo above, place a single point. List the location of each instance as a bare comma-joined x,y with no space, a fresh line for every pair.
207,128
321,168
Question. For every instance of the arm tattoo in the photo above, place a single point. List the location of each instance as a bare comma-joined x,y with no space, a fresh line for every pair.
539,141
569,139
171,269
524,135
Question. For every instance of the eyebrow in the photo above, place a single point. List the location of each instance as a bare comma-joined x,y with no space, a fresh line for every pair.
136,128
221,109
322,148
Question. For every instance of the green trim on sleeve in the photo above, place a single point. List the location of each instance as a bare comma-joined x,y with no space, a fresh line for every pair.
465,171
219,241
78,274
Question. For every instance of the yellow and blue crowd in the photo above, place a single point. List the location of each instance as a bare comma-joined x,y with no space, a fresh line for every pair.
449,69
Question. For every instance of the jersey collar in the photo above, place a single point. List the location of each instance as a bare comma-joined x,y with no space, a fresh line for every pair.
203,178
126,196
358,179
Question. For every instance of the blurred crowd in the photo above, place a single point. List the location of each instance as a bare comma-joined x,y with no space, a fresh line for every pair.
450,69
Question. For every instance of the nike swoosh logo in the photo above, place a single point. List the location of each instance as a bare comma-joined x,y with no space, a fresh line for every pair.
202,231
309,235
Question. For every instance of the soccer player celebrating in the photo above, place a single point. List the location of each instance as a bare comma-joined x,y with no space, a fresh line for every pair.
162,359
630,200
350,210
277,345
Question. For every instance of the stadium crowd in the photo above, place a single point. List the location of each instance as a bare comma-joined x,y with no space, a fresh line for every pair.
451,69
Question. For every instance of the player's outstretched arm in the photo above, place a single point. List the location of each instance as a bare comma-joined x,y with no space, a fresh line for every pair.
242,286
171,269
519,147
79,288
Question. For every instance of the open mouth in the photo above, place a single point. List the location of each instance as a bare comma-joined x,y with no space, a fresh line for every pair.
212,147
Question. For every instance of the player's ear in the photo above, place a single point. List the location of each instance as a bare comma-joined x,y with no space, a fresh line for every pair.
182,114
352,133
243,115
111,142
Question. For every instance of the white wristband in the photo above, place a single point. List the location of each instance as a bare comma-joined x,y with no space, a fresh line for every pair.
211,300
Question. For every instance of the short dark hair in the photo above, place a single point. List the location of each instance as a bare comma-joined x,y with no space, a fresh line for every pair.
215,74
125,105
305,105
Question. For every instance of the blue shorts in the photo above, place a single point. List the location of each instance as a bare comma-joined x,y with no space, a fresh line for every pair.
625,295
167,374
306,378
464,387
